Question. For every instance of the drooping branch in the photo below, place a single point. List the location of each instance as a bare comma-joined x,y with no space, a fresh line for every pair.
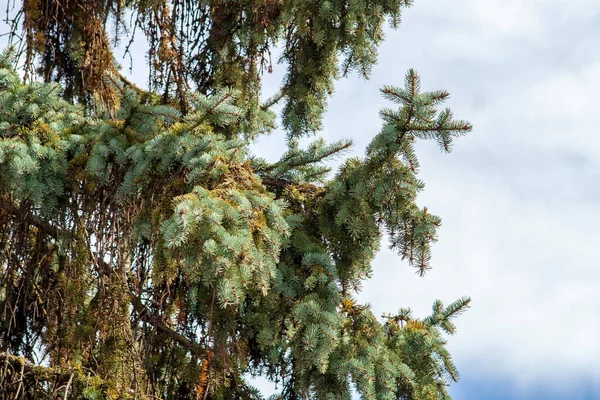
30,368
138,306
161,326
32,219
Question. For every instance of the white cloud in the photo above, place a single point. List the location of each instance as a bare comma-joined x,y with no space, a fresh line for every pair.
477,30
570,102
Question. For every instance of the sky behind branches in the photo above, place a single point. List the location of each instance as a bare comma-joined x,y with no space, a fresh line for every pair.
519,197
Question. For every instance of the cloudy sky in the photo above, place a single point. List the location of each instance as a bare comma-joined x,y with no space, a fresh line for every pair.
518,197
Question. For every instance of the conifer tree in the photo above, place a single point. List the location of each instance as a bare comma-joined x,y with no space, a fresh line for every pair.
146,253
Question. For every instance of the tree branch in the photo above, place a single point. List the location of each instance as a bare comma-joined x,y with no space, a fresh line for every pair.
160,325
32,219
138,306
29,367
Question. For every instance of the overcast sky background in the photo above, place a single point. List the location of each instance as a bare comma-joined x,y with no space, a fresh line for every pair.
518,196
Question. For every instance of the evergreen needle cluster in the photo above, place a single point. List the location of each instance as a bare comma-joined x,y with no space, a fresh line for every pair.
145,253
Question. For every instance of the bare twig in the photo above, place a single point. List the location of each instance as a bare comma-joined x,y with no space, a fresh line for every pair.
68,386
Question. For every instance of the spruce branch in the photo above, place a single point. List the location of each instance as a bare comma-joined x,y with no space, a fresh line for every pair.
181,263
